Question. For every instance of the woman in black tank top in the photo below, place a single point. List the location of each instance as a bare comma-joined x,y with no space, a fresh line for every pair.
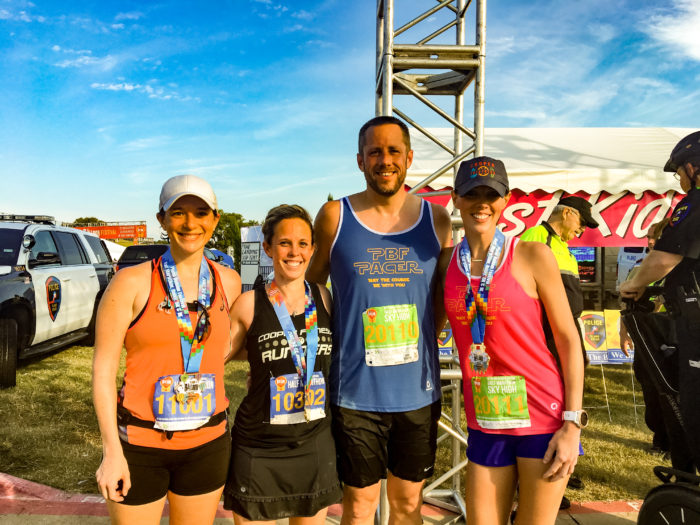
283,457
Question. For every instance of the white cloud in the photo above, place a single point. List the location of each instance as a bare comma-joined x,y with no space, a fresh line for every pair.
21,16
278,9
303,15
294,28
132,15
195,167
677,30
603,33
320,43
69,51
520,114
146,143
117,26
150,90
501,46
103,63
122,86
660,86
284,189
289,115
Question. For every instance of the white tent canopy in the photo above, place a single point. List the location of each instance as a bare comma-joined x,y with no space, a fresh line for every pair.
569,159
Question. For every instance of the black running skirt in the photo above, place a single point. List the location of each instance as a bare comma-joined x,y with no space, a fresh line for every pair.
286,481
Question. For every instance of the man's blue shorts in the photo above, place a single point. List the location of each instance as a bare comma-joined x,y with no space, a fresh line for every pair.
501,450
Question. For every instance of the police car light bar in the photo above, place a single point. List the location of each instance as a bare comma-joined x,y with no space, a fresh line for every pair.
39,219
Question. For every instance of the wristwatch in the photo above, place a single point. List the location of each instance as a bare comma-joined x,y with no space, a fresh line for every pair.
578,417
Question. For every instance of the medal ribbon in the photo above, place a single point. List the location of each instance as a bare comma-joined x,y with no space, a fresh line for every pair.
304,362
476,303
190,337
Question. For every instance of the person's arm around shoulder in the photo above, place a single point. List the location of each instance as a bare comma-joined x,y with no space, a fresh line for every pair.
326,298
241,316
114,315
325,229
655,266
442,223
231,282
540,264
440,313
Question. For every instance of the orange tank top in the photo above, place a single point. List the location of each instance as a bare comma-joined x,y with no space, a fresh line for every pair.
153,350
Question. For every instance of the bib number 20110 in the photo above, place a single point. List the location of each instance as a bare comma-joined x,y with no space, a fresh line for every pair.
391,334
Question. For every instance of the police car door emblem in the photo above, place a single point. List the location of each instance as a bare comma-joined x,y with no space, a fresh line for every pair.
53,296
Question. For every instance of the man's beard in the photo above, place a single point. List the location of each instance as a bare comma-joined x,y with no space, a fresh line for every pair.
385,191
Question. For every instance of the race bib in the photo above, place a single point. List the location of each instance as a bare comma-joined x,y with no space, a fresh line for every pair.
391,334
500,402
184,401
287,399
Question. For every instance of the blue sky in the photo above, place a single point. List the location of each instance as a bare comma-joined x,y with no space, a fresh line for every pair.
103,101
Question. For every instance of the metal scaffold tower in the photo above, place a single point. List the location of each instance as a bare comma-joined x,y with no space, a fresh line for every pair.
428,71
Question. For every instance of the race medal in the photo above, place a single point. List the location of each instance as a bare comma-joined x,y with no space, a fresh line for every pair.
476,302
391,334
287,403
184,401
500,402
478,358
304,358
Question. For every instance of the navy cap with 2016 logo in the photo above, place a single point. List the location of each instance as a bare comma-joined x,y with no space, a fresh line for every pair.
481,171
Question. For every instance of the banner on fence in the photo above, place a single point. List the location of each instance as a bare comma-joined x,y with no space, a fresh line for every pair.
445,342
601,337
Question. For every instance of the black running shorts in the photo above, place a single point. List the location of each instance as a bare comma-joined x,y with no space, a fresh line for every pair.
368,443
189,472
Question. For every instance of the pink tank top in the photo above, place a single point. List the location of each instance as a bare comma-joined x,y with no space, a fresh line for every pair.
514,341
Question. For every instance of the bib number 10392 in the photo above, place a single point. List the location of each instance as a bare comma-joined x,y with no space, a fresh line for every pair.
287,404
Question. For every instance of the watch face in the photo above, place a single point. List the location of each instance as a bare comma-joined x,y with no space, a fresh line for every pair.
583,418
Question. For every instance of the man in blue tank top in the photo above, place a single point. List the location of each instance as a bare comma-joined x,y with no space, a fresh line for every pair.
381,247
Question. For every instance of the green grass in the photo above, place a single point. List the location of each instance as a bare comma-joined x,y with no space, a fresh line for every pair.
616,464
49,432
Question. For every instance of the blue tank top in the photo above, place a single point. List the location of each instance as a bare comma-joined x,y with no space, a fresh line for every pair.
386,355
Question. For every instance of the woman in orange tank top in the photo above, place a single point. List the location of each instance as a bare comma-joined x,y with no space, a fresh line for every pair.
164,435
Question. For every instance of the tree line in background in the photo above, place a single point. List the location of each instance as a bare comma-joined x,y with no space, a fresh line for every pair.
227,233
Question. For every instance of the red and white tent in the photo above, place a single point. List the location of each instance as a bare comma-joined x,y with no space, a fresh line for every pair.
619,170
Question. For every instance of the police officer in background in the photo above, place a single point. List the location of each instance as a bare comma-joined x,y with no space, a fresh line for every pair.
676,255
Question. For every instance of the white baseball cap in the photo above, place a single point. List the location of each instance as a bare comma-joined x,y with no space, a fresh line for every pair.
181,185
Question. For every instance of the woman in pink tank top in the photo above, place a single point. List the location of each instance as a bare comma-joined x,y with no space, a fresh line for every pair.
523,412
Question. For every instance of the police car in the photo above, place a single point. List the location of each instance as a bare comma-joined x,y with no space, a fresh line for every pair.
51,279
